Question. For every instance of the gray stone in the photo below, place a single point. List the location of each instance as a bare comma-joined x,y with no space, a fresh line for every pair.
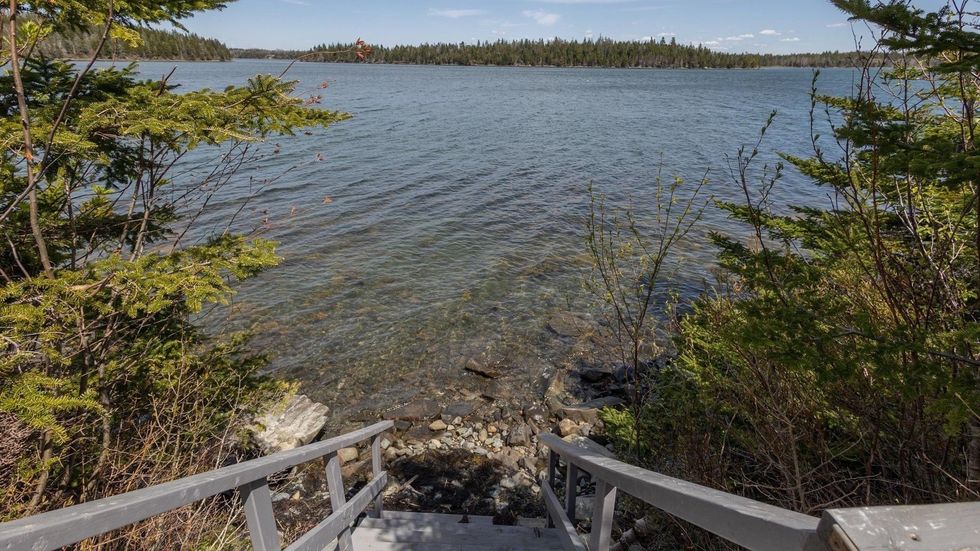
567,427
604,402
402,425
529,463
554,405
509,459
588,412
418,435
535,414
297,424
438,425
508,483
581,415
520,435
595,375
496,391
459,409
347,455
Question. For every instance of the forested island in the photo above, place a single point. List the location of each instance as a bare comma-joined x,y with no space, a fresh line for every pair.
157,44
661,54
72,43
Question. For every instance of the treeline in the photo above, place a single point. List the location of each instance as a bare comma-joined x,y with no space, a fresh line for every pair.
561,53
156,44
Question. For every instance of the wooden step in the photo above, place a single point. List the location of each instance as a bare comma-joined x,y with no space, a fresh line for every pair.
366,545
402,534
436,517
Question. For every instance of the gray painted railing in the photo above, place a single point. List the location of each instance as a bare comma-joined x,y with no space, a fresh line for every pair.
945,527
751,524
56,529
748,523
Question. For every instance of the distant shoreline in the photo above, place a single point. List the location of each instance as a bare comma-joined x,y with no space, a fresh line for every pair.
288,60
157,59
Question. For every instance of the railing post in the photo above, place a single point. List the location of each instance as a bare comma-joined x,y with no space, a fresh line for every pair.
552,467
602,516
335,484
376,468
258,513
552,470
571,487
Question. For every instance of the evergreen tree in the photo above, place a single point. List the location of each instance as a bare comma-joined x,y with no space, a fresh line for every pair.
838,363
105,384
80,43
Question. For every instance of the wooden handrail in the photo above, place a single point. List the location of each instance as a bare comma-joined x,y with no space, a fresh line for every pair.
938,526
55,529
749,523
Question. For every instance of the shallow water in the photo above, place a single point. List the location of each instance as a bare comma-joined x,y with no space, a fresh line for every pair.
458,203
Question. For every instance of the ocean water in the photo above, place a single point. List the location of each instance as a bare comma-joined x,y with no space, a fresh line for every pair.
445,220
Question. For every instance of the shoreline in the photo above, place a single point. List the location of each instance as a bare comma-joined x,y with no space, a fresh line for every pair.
290,60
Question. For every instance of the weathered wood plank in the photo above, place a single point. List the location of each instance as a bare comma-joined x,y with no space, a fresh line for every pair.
376,468
258,513
926,527
438,517
584,443
372,540
411,531
600,538
571,489
552,472
56,529
566,530
330,528
749,523
338,498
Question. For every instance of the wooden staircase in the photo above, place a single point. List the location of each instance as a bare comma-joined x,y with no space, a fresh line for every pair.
416,531
750,524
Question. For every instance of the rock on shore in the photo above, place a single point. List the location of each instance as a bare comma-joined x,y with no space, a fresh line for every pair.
296,421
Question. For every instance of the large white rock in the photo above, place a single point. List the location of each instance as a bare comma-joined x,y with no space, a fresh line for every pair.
296,425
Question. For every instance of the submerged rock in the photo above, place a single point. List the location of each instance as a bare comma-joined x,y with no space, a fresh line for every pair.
419,410
484,369
295,425
567,324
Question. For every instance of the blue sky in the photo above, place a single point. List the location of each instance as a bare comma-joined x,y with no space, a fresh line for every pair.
777,26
